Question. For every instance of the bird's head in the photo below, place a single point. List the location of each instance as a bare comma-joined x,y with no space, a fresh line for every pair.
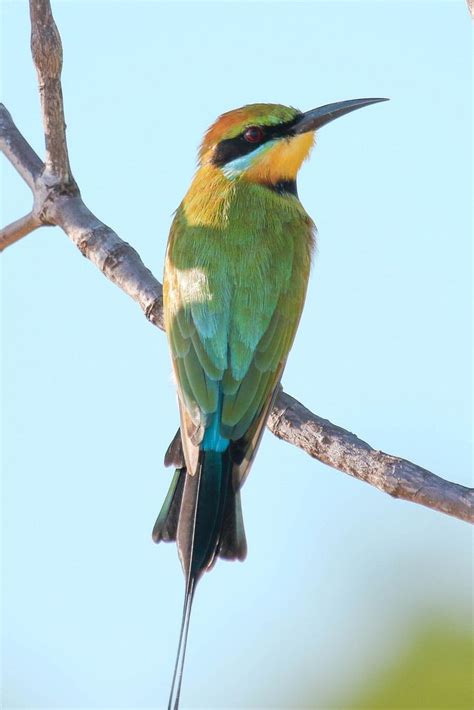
267,143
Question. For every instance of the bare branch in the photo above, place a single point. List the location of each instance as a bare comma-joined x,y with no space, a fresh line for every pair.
336,447
15,231
54,204
58,202
47,52
115,258
18,151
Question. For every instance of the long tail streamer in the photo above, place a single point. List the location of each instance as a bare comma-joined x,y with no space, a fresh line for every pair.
173,703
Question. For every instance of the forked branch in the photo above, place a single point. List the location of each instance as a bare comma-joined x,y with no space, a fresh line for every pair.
57,201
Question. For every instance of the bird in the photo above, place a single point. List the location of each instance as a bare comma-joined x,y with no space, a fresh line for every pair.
236,272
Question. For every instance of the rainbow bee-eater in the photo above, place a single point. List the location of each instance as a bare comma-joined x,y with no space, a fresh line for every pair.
236,273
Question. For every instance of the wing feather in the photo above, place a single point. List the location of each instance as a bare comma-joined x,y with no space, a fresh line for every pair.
232,307
204,391
234,406
213,372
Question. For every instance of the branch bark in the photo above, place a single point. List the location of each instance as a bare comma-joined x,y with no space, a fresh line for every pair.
336,447
18,229
18,151
47,51
57,201
61,204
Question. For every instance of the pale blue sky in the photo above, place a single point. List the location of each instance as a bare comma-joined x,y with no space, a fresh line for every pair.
337,573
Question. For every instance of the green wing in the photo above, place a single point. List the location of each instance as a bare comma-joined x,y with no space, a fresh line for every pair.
241,403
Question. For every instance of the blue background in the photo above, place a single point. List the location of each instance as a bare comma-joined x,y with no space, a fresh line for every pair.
337,573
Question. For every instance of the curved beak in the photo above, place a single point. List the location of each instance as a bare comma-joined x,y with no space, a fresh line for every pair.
317,117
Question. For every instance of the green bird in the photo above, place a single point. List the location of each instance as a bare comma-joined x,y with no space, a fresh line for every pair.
236,273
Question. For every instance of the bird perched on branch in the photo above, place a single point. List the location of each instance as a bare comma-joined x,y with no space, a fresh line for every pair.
237,268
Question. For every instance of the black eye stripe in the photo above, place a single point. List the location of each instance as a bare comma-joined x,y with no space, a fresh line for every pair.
232,148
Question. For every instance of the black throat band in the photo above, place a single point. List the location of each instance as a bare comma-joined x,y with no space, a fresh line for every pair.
283,187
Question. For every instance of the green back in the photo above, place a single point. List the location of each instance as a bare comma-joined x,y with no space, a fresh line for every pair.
233,299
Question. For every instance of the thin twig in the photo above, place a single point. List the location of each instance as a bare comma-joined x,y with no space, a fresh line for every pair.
16,230
18,151
58,201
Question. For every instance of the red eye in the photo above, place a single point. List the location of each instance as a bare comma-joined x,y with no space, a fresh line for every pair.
253,134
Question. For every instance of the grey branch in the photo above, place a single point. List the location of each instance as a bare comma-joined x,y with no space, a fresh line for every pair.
20,154
336,447
61,205
18,229
47,52
57,201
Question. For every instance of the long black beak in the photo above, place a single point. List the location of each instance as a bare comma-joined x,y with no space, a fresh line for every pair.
317,117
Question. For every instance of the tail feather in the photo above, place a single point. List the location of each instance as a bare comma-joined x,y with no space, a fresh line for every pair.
203,514
232,542
174,455
173,703
166,526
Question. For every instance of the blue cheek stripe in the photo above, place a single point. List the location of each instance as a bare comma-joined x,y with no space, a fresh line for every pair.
239,165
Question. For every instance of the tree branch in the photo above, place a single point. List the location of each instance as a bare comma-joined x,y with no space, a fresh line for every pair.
47,51
336,447
58,202
117,260
18,229
62,205
18,151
